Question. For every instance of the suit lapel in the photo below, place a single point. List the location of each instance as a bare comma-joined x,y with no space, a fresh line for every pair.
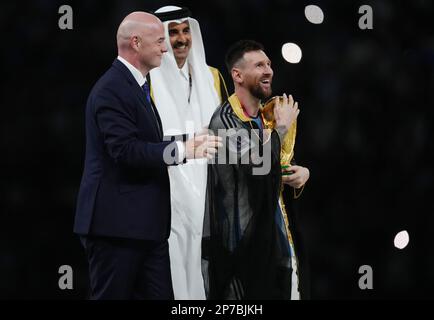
140,94
160,125
154,107
153,113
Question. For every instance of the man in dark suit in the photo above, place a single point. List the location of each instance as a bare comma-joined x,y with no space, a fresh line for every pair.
123,209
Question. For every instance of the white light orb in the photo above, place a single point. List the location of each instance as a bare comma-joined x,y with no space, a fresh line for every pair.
314,14
401,239
291,52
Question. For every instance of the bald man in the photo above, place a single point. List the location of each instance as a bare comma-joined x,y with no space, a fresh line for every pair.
123,208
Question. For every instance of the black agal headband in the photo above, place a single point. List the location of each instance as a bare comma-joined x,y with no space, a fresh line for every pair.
174,15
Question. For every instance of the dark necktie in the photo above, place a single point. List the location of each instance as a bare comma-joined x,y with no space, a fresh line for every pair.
145,88
147,91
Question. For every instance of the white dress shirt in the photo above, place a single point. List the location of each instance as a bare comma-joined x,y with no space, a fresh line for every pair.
134,71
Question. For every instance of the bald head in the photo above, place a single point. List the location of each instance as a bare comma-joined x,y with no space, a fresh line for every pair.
135,24
140,40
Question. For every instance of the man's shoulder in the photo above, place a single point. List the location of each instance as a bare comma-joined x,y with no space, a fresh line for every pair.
219,83
111,89
224,117
214,70
112,76
111,81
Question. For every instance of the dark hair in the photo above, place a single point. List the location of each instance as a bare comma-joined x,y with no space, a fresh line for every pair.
238,49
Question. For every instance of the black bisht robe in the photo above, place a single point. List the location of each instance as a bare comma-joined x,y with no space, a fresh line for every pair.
243,255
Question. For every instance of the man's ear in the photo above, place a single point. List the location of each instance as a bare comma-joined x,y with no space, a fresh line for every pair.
135,43
237,75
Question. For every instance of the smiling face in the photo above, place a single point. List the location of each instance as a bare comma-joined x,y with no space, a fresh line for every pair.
180,40
140,41
256,74
151,46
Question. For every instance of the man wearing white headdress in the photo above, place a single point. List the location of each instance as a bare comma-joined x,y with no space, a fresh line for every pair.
186,92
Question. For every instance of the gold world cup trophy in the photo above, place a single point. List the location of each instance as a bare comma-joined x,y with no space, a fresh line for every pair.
287,148
286,152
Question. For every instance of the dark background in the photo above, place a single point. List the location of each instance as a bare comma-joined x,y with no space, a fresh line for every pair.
365,132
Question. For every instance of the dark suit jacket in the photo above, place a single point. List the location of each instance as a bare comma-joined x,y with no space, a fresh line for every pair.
125,189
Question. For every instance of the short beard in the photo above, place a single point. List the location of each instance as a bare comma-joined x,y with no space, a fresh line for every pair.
258,93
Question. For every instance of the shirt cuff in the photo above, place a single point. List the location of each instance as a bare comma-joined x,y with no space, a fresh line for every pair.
181,151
